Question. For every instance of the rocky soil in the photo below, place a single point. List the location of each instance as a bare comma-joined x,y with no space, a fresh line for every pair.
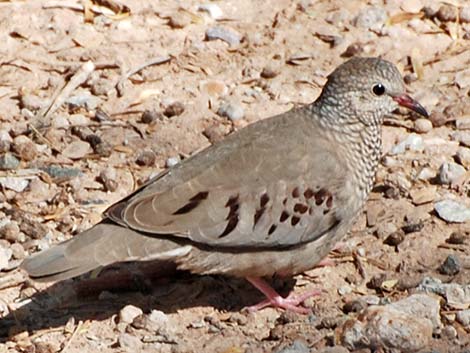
97,96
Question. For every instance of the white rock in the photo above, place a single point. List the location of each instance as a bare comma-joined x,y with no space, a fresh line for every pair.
413,142
463,123
232,111
450,173
457,296
213,10
463,317
172,161
421,305
14,183
129,313
452,211
370,18
462,78
422,126
129,343
426,174
77,150
5,256
463,156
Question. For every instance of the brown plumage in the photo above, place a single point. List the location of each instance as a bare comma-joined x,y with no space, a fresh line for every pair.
270,199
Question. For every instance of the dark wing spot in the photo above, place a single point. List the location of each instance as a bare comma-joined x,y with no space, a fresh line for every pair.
200,196
308,194
232,223
295,192
259,212
329,201
294,220
263,200
300,208
272,229
320,196
325,211
232,216
284,216
284,202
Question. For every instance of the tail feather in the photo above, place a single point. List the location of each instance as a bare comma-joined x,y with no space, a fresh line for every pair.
101,245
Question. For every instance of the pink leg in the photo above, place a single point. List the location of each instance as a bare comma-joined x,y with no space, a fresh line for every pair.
292,302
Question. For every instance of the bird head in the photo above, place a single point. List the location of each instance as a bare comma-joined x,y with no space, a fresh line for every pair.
366,89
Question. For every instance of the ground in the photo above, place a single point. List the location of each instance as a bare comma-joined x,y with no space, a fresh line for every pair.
95,100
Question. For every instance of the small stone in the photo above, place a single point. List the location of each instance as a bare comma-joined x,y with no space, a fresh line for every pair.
216,132
429,12
410,78
423,195
239,319
450,266
213,10
449,332
353,49
411,227
172,161
463,123
421,306
370,18
384,229
450,173
456,238
296,347
5,256
462,78
269,72
8,161
343,290
226,34
10,231
395,238
447,13
179,19
77,150
108,177
463,137
32,102
146,158
61,174
24,148
463,156
103,149
232,111
174,109
426,174
354,306
156,321
463,317
438,119
452,211
422,126
413,142
213,88
84,100
465,14
18,252
150,116
14,183
129,343
78,120
5,141
129,313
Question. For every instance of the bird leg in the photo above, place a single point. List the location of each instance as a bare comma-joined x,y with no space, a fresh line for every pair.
291,302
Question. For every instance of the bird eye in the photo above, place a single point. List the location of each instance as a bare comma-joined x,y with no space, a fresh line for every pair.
378,89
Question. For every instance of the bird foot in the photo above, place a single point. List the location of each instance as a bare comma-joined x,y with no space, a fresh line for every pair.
292,302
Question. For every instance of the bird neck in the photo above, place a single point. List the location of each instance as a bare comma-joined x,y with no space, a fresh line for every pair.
360,143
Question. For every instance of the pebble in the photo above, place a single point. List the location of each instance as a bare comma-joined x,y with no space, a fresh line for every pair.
150,116
465,14
452,211
343,290
18,251
447,13
269,72
108,177
463,123
450,173
24,148
85,100
146,158
60,122
155,322
10,231
213,88
413,142
239,319
387,328
17,184
421,306
370,18
438,119
78,120
422,126
423,195
395,238
226,34
463,317
129,313
8,161
233,111
353,50
457,296
32,102
462,78
354,306
216,132
179,19
129,343
451,266
174,109
335,349
449,332
213,10
297,346
172,161
463,156
76,150
60,174
456,238
426,174
5,141
463,137
5,256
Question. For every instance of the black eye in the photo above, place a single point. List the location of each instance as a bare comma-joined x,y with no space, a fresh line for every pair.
378,89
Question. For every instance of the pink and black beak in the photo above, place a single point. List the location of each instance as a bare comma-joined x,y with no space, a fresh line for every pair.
406,101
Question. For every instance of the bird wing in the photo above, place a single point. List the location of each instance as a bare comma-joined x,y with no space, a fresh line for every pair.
273,184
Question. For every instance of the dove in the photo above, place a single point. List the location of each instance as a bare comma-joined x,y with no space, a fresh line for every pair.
270,199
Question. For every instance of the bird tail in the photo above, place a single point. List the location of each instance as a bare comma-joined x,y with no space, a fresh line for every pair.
101,245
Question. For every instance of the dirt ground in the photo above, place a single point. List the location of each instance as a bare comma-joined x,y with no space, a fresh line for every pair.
96,98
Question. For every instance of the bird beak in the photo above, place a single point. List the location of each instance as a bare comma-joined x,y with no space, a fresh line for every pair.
406,101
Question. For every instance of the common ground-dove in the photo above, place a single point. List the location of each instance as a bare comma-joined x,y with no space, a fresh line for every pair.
270,199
